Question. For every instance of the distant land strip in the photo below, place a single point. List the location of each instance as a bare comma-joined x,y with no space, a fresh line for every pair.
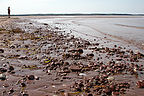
71,14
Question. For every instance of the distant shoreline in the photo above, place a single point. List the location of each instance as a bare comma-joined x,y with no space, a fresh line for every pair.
74,15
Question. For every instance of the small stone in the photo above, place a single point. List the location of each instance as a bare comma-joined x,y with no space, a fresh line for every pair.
1,51
31,77
2,70
37,78
11,91
23,85
2,77
45,24
91,55
11,68
25,94
80,51
140,84
61,90
97,44
5,85
12,46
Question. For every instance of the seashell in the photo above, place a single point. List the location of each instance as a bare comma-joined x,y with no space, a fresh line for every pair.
82,74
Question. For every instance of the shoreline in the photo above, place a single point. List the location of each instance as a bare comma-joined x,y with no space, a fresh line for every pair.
49,61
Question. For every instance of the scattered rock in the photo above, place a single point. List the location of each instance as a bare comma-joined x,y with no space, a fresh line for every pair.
11,91
11,68
37,78
73,65
1,51
2,70
2,77
5,85
80,51
25,94
91,54
23,84
31,77
140,84
45,24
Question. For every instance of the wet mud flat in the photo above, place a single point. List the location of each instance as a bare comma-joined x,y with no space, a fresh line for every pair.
37,59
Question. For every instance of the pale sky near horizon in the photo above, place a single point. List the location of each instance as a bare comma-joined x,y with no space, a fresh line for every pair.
71,6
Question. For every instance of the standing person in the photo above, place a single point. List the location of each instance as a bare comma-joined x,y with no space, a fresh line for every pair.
8,12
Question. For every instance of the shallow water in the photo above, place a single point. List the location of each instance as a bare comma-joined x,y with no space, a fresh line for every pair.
130,30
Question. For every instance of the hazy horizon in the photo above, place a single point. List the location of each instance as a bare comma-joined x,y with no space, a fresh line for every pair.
72,6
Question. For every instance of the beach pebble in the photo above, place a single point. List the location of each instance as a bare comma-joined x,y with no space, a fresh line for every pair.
11,68
91,54
140,84
5,85
31,77
25,94
23,85
37,78
80,51
1,51
45,24
2,77
2,70
11,91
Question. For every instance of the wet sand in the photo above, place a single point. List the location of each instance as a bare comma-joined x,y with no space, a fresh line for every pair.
119,28
60,57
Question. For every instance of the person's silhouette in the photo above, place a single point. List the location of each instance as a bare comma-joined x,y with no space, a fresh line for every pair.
8,12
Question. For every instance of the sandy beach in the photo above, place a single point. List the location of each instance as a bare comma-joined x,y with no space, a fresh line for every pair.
72,56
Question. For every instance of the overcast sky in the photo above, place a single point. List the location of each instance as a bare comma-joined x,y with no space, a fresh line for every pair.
72,6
